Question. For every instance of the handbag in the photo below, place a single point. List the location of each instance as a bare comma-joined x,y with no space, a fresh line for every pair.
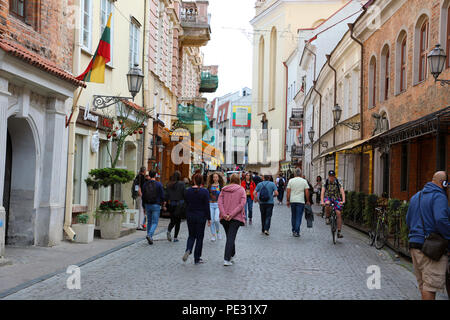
434,246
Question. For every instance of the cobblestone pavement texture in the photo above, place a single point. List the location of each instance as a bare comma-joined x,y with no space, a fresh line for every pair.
278,266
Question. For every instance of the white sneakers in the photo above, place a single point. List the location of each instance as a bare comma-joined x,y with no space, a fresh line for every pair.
213,239
227,263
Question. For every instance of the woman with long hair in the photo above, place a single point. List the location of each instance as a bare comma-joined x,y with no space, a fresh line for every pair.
249,187
197,213
215,185
232,201
175,196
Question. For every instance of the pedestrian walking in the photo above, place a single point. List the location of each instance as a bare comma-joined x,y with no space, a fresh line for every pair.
153,197
309,214
175,197
138,186
197,213
249,187
264,193
428,221
296,190
281,183
215,185
232,201
256,178
318,188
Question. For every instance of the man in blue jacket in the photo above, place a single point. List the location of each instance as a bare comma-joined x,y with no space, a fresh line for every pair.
435,212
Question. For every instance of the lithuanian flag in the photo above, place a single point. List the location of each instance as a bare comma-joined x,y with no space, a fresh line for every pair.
95,72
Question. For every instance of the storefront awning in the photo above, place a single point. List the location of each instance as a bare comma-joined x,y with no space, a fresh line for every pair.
357,143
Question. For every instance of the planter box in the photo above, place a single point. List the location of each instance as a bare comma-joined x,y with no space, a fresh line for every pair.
110,224
84,232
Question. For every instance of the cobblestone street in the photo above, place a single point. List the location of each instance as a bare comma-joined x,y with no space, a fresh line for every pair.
274,267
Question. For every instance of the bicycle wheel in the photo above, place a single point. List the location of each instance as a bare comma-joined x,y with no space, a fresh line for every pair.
333,228
381,235
371,240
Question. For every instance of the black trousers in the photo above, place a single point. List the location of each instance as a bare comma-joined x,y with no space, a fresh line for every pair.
196,227
231,228
175,218
266,215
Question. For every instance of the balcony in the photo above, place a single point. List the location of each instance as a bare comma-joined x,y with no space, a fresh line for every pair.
195,22
209,79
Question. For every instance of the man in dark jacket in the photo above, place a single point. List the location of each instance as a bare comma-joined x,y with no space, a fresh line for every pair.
429,212
153,197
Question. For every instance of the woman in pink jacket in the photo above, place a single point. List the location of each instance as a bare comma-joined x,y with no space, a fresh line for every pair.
232,200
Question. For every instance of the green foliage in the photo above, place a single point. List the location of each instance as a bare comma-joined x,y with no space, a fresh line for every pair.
393,213
348,208
403,210
369,210
359,206
83,218
108,177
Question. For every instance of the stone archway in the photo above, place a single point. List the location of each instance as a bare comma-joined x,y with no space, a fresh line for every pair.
21,213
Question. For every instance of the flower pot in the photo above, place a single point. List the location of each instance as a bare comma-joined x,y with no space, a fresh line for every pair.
110,224
84,232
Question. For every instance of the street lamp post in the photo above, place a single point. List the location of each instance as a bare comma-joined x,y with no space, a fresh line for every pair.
337,113
437,59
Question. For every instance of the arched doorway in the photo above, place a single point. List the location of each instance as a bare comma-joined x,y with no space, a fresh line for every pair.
22,175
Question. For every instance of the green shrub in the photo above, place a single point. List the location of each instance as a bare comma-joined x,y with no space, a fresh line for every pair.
108,177
359,207
393,213
369,210
348,208
403,210
83,218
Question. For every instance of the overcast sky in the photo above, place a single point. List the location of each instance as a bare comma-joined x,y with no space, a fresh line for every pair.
229,47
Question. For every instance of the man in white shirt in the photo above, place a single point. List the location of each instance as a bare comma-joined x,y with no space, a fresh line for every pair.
296,190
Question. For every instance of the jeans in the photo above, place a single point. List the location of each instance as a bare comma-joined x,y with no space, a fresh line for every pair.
231,228
280,194
249,204
196,227
175,216
266,215
297,215
215,220
153,211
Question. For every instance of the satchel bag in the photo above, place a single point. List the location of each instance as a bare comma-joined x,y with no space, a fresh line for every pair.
435,246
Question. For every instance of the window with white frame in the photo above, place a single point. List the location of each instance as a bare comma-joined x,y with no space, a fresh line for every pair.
78,168
107,7
86,25
135,35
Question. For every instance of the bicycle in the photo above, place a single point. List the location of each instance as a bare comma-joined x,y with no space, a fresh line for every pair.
381,231
333,221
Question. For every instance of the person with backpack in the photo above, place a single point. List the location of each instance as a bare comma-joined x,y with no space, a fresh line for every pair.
197,213
333,193
280,185
249,187
153,197
296,190
264,194
428,222
175,196
136,194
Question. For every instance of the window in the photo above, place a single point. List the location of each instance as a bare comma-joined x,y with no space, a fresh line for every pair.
17,7
135,33
86,25
261,76
404,168
423,51
403,66
107,7
372,82
386,74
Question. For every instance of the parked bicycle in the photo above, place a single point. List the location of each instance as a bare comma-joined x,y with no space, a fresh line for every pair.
380,234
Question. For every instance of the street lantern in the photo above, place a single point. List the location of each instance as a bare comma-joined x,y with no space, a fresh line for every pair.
337,112
437,59
135,78
311,134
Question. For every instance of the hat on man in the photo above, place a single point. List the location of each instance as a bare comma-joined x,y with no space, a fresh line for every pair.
332,173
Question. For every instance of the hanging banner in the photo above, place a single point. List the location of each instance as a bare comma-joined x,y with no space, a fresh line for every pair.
242,116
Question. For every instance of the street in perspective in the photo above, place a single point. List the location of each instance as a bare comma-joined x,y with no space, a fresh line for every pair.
225,151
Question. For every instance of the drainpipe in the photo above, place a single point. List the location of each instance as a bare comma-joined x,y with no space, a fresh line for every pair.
351,26
71,139
146,92
320,113
285,123
335,96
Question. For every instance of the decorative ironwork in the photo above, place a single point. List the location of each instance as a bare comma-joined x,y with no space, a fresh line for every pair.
352,125
443,82
103,102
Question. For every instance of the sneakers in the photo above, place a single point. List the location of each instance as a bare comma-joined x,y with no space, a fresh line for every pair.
169,236
339,235
250,222
227,263
186,256
266,233
327,221
200,261
296,234
149,240
175,240
213,239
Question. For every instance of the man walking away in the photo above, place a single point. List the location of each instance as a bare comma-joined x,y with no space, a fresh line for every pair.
257,179
264,194
281,183
175,195
153,196
296,190
138,186
428,214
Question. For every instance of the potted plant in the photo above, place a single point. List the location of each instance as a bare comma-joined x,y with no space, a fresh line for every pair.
84,231
110,214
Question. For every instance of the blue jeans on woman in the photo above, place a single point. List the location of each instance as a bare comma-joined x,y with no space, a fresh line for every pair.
215,218
297,214
249,204
153,211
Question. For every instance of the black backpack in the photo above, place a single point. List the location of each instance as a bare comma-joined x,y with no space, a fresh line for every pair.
281,183
328,182
150,193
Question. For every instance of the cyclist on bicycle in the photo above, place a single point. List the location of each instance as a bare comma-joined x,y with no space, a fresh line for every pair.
333,193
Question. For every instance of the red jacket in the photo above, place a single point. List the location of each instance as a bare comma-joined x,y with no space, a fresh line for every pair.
252,187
